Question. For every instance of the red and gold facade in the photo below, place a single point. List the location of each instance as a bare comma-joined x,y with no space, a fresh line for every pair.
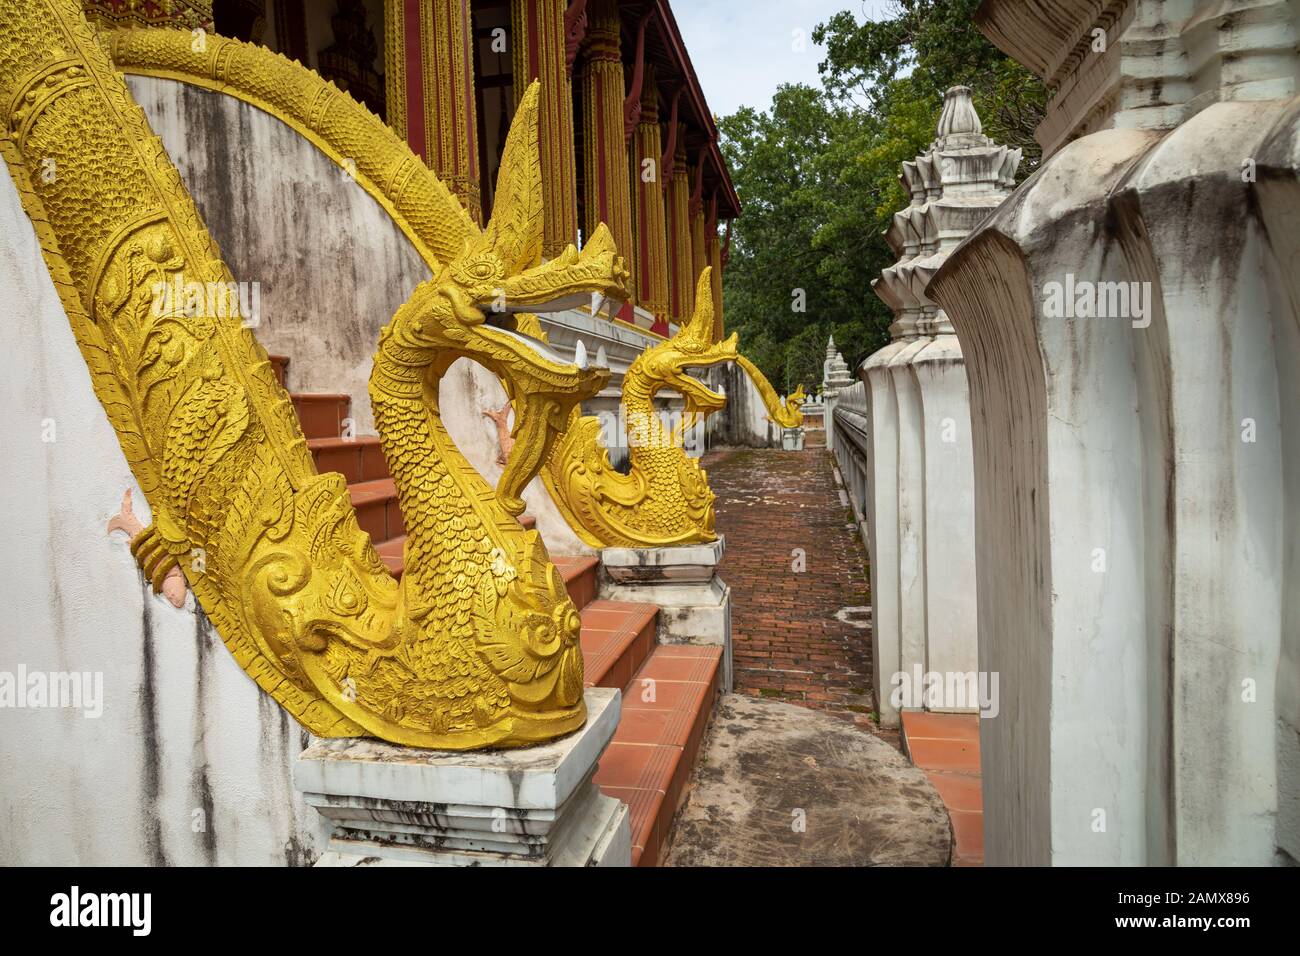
626,137
602,91
175,14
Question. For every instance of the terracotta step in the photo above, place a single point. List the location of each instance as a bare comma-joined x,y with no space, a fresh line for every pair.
579,571
377,509
280,365
947,748
356,459
321,415
617,637
666,710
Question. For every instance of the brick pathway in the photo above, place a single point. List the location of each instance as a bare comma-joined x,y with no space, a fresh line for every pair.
789,643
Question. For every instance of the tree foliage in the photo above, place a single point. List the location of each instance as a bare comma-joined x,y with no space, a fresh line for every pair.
817,174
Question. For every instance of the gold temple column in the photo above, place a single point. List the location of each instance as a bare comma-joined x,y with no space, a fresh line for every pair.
608,196
429,89
715,260
651,232
537,44
680,253
699,251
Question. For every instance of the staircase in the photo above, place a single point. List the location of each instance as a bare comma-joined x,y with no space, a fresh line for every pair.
668,689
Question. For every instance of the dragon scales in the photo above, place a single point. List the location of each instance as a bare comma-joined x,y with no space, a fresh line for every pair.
665,498
478,645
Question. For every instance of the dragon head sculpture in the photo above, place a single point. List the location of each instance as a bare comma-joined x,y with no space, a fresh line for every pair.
668,364
479,306
664,499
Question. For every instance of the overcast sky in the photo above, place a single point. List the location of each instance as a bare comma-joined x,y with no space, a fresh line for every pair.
743,49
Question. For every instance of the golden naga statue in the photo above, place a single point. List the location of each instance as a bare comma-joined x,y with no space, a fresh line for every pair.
665,498
478,645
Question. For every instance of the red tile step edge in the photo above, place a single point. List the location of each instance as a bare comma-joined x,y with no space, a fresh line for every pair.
666,710
377,509
947,748
356,459
617,637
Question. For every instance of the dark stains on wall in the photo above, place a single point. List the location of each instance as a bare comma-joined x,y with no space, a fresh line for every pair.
206,639
731,428
152,751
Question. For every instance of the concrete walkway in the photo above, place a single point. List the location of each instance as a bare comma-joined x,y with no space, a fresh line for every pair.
781,785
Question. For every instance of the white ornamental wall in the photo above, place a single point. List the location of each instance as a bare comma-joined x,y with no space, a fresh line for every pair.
189,762
1138,468
852,446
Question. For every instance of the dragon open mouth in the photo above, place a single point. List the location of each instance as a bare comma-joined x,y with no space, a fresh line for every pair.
505,323
698,396
570,280
555,385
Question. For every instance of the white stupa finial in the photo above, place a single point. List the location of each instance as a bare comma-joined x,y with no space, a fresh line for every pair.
959,116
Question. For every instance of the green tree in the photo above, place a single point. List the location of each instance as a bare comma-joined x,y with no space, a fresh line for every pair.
920,51
817,173
785,286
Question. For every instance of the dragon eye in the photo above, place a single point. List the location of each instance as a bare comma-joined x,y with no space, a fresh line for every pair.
478,269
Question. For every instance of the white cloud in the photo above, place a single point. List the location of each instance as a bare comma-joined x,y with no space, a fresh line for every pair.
742,51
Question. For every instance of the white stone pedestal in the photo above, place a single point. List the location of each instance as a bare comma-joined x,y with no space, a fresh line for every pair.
694,603
792,439
537,806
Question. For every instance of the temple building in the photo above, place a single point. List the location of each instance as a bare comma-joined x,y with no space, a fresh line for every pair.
626,134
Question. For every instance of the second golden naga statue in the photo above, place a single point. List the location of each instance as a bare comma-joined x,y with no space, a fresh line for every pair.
664,499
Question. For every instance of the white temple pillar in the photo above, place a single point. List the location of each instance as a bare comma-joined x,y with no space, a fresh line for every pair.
920,513
1129,319
835,378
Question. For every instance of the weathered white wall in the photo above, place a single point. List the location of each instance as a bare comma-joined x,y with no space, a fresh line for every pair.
883,546
1278,189
331,264
948,477
1138,474
744,422
1163,60
921,511
189,762
851,422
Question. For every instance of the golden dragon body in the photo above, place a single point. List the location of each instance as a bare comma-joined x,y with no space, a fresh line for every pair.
478,645
665,498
